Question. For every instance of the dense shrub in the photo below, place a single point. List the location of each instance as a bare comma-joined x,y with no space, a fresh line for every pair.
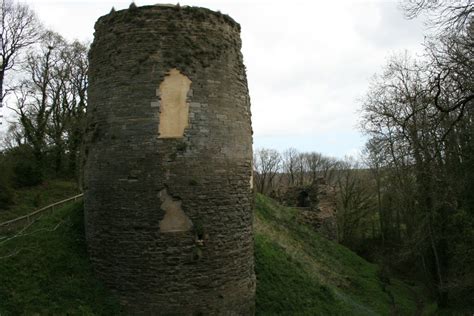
6,193
24,168
27,173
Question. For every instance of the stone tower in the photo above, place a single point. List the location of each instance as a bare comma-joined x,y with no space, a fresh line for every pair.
168,151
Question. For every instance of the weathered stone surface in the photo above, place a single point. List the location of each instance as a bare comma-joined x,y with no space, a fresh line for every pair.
169,217
317,206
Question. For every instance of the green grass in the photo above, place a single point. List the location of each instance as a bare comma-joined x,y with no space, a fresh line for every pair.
301,273
285,288
27,200
46,271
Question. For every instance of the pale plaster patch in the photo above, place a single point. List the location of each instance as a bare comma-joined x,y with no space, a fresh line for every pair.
174,110
174,220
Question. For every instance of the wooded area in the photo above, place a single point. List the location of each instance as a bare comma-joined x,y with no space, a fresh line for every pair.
408,202
43,79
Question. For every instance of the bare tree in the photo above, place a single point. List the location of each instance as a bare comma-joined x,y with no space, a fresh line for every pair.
14,137
267,163
301,169
19,28
329,166
314,164
444,15
289,164
450,51
452,71
76,102
39,96
355,202
375,161
421,147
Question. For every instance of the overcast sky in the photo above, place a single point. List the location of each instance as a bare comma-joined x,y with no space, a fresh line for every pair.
308,62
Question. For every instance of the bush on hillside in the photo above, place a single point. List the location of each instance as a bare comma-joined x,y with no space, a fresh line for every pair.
27,173
26,170
6,193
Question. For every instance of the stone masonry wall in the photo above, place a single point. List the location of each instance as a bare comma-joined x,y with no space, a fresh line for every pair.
319,209
169,216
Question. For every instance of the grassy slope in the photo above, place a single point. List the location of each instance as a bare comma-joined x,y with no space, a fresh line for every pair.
46,271
29,199
301,273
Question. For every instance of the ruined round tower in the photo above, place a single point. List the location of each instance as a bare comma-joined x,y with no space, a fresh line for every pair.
168,151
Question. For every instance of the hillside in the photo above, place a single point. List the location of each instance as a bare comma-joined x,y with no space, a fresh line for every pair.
29,198
45,270
301,273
